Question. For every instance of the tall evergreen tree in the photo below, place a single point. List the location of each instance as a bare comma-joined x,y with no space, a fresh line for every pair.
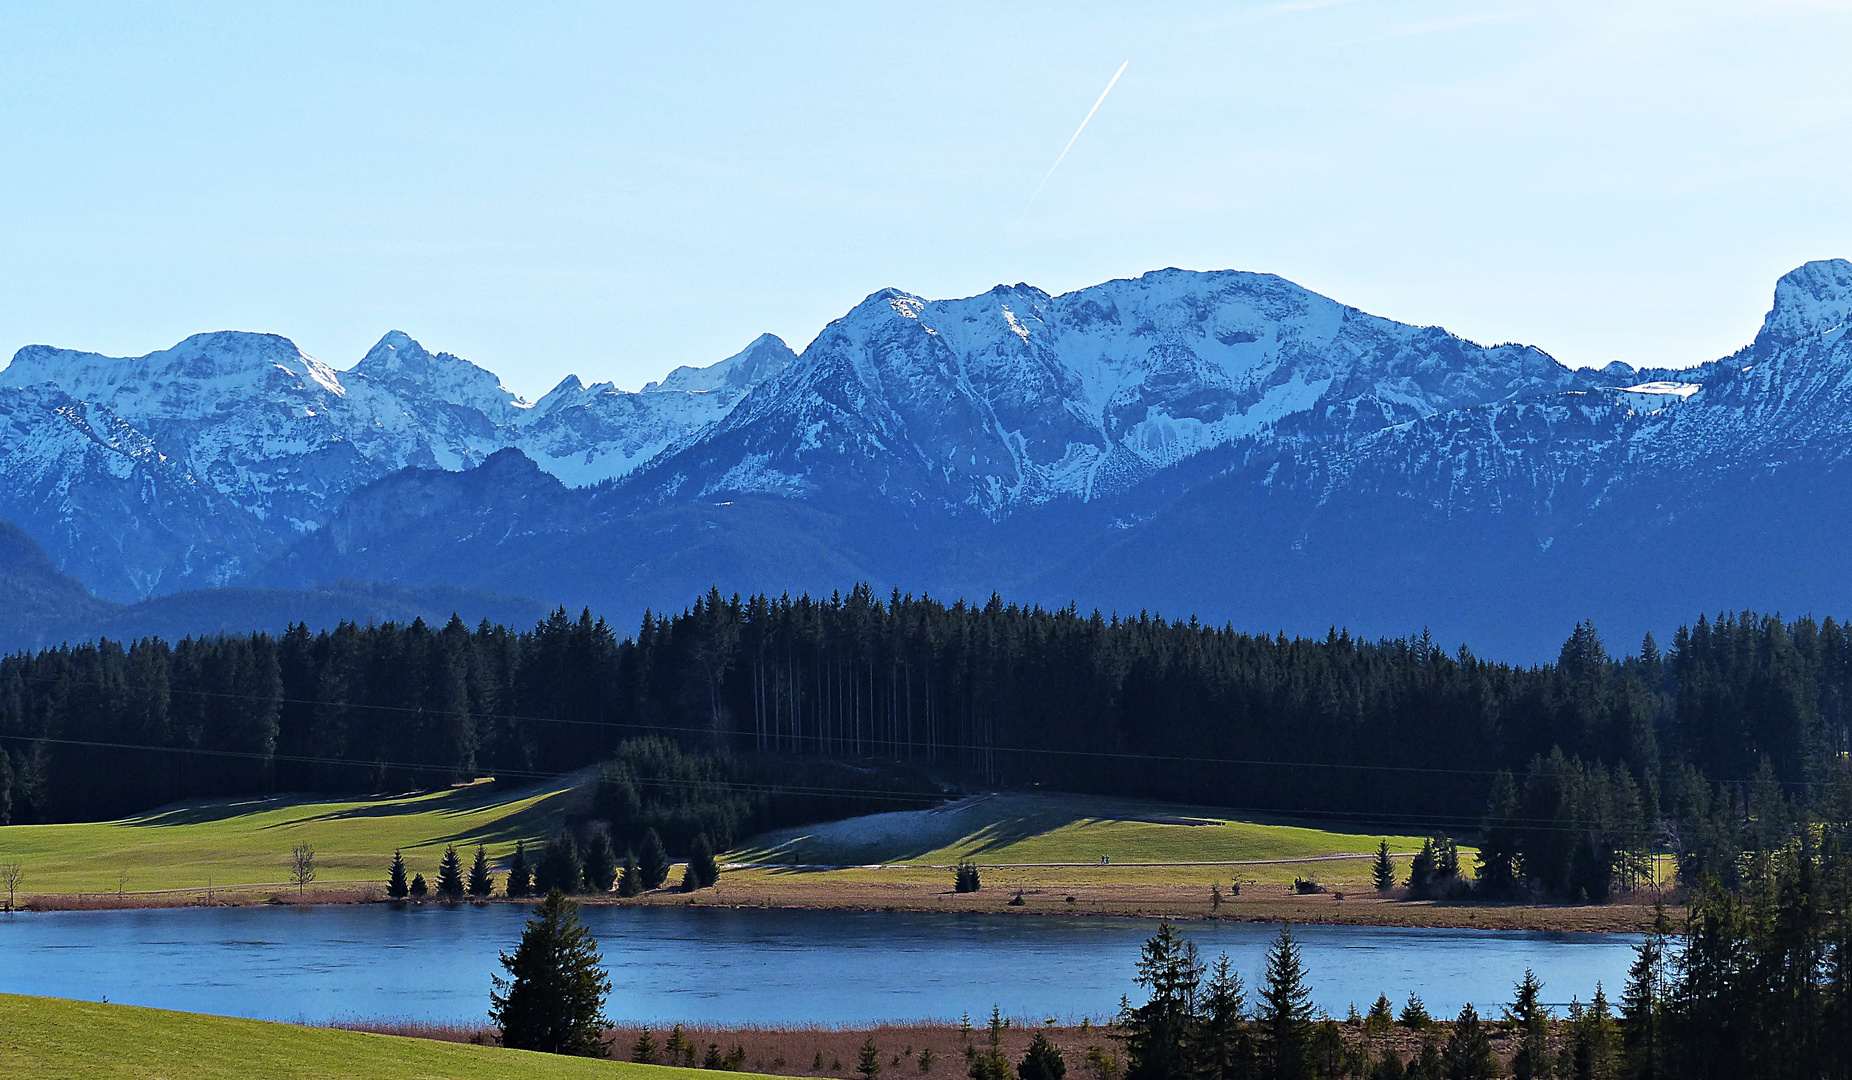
653,860
702,871
1643,1003
1043,1061
552,998
560,867
1285,1013
450,875
1468,1053
1382,871
481,880
1526,1013
600,863
1158,1035
1223,1049
396,885
520,874
630,880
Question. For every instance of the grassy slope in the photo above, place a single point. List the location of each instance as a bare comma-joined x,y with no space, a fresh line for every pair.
53,1037
1057,829
247,842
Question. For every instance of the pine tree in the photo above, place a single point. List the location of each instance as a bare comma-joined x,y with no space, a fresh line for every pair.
1381,1018
1382,871
520,873
1498,839
560,867
450,875
702,872
1526,1012
418,890
653,861
630,881
481,881
1415,1015
600,864
964,877
1643,1003
1222,1049
644,1051
396,886
553,997
1043,1061
1159,1034
1285,1014
1421,871
991,1064
1468,1054
868,1064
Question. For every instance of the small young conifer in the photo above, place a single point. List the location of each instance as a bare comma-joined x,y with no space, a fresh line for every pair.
396,886
450,875
1380,1019
1468,1054
868,1065
1043,1061
630,881
644,1051
653,861
419,890
1382,871
1415,1014
481,881
520,872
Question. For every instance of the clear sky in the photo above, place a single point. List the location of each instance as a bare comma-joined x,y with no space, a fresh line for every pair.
611,191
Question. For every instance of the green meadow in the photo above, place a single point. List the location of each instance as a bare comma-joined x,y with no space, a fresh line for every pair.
1036,828
51,1037
247,842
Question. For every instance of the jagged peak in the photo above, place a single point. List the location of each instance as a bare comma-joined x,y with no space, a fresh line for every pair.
764,357
1812,298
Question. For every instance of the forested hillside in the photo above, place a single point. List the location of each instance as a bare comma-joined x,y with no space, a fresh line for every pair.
1720,742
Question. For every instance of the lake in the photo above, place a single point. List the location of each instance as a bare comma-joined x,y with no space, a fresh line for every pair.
432,962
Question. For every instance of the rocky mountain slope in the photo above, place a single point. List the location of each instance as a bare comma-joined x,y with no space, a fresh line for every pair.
1223,443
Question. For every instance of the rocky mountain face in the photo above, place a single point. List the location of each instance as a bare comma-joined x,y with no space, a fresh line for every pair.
1223,443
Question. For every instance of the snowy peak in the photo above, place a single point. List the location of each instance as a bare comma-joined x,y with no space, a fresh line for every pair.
400,363
1811,299
193,378
765,357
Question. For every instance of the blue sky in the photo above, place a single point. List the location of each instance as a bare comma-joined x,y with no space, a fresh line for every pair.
612,191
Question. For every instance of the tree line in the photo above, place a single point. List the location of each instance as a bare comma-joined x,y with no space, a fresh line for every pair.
1723,743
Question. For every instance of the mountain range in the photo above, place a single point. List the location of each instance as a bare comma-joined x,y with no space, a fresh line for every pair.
1224,444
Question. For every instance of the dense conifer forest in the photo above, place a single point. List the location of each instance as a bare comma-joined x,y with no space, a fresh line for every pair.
1723,742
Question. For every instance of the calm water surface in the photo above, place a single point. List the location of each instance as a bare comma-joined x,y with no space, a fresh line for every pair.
433,963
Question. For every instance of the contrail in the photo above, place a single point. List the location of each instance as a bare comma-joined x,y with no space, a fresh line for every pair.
1081,128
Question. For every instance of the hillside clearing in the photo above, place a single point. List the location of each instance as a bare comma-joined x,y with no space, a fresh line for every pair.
247,842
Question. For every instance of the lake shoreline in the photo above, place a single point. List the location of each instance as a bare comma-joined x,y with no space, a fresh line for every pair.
1257,904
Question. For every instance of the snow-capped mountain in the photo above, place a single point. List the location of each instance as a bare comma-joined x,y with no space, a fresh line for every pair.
196,464
1015,398
1222,443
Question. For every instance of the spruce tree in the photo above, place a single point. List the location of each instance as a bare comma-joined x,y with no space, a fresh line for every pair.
1468,1054
1526,1013
1222,1048
1285,1014
450,875
1421,871
653,861
868,1064
630,881
520,873
1382,871
1498,840
560,867
644,1051
600,864
1415,1015
1380,1020
552,999
991,1064
396,885
481,881
702,871
1159,1034
1643,1003
418,890
1043,1061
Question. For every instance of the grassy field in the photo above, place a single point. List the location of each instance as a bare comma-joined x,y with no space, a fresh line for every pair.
248,842
47,1037
1033,828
